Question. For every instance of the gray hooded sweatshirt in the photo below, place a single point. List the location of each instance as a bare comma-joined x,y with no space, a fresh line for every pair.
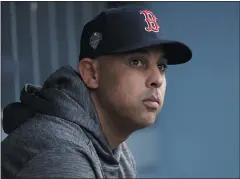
54,132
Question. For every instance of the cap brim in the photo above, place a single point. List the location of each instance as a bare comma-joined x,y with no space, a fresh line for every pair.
175,52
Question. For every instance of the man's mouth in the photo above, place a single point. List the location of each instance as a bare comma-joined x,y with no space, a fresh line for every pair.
152,102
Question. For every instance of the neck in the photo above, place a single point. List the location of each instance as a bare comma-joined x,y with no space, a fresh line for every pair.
115,132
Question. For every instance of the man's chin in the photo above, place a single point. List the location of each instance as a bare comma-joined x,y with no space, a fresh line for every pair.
145,122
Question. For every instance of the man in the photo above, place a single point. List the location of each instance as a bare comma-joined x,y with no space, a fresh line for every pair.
75,125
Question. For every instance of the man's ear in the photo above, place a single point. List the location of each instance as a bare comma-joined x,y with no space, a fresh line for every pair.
88,69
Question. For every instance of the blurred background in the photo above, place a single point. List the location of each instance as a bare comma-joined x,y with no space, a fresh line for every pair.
197,133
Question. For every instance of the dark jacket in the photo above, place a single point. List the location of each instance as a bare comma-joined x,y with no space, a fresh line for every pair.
54,132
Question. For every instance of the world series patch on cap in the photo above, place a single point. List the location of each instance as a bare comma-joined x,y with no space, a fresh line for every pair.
129,28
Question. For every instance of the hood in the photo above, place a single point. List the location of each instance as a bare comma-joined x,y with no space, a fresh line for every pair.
63,95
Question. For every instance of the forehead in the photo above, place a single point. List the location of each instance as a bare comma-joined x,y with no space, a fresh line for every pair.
155,52
148,51
151,53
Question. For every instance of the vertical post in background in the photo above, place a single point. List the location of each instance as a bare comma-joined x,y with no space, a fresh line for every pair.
72,48
15,50
98,7
86,14
53,35
87,11
34,37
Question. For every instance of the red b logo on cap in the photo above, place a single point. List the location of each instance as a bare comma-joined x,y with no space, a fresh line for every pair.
151,20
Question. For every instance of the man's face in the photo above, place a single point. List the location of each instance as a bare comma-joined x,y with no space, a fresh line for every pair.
132,87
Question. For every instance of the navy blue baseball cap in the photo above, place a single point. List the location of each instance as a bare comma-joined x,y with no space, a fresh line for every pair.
126,29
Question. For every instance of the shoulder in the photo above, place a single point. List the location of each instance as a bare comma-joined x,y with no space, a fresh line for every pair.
46,141
45,132
60,163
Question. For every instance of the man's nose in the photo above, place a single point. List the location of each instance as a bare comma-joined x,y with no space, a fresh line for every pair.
155,78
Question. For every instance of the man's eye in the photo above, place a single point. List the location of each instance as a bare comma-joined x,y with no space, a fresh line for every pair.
162,67
136,62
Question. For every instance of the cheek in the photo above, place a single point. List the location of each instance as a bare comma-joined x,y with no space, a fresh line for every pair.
126,88
163,89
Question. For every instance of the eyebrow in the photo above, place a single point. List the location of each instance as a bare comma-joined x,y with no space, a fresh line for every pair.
145,51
